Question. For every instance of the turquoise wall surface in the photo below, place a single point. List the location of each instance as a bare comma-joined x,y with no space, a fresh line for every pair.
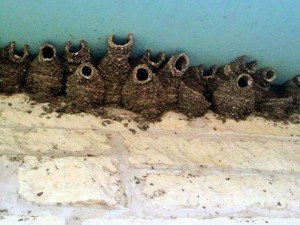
209,31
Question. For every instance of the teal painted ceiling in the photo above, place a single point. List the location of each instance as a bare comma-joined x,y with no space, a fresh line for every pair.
209,31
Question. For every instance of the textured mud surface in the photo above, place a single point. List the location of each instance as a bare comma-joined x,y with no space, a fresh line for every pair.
292,89
143,93
276,108
191,102
170,76
235,98
12,69
74,58
45,75
115,69
149,85
84,89
154,63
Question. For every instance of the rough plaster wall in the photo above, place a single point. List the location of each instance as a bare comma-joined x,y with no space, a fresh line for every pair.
83,170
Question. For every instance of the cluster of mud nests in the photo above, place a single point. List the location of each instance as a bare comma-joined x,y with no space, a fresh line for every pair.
148,85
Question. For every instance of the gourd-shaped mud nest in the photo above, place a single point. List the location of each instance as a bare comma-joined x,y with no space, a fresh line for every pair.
148,86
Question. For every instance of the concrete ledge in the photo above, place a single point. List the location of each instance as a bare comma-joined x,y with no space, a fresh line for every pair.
54,141
218,150
84,181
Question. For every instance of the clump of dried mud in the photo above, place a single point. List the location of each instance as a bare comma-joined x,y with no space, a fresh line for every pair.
147,86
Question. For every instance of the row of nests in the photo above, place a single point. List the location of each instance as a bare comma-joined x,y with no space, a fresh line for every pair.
149,86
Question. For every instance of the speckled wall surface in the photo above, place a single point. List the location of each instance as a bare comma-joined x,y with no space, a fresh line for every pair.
210,31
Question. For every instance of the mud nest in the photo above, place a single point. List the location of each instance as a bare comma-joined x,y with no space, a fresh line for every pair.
148,86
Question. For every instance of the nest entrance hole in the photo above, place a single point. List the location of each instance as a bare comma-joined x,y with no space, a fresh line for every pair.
270,75
243,81
142,74
18,52
181,63
76,48
48,52
86,71
120,41
208,73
